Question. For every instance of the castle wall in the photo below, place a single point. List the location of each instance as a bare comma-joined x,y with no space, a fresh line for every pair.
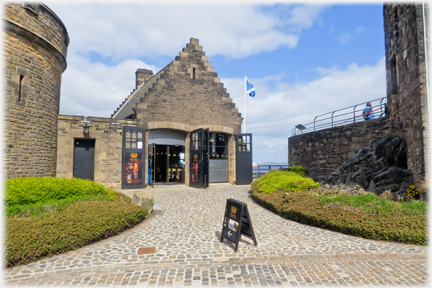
323,151
35,44
108,146
406,88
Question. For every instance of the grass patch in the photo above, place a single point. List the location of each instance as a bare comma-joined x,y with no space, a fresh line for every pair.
39,229
371,202
49,208
367,216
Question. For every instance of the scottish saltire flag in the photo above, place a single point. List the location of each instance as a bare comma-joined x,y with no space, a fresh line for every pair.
250,89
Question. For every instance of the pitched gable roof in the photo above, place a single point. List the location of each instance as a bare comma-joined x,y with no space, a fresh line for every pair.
187,91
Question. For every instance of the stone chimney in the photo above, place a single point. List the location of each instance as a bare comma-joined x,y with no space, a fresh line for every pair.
142,75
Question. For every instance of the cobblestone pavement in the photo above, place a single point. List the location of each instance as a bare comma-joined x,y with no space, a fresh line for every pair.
184,229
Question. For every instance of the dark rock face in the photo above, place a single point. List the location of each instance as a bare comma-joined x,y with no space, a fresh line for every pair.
379,166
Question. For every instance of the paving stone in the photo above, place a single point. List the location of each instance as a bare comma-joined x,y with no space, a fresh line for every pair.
185,230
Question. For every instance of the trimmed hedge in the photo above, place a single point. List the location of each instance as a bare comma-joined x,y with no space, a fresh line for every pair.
307,208
79,224
29,190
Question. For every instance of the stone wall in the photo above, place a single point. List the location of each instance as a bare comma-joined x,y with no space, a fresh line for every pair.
323,151
108,146
406,80
35,44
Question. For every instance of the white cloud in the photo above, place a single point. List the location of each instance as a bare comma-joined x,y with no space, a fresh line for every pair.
305,16
345,37
136,30
94,89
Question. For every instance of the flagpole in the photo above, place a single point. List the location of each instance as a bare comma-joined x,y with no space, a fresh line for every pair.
244,107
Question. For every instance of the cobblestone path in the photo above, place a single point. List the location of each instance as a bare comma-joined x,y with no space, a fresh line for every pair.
184,229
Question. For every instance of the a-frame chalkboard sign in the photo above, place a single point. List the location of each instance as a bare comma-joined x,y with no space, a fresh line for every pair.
237,222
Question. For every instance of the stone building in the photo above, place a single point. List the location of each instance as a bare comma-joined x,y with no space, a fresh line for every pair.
323,151
35,45
177,126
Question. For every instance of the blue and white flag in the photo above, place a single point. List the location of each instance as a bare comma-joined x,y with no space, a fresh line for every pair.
250,89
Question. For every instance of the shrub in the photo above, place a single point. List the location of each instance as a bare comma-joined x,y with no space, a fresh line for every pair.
385,224
30,190
79,224
287,181
298,169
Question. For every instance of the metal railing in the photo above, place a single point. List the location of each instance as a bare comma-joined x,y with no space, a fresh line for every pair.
262,169
348,115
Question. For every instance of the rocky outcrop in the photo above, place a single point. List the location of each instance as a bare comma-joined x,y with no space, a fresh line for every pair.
379,166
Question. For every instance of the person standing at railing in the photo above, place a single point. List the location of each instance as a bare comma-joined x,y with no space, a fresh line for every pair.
367,112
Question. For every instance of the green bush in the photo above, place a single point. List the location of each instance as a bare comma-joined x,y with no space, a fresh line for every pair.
375,223
30,190
79,224
298,169
288,181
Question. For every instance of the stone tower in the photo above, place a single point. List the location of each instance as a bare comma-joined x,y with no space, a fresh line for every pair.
35,46
404,27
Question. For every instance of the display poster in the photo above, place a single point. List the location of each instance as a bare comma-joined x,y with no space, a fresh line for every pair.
236,223
133,168
195,168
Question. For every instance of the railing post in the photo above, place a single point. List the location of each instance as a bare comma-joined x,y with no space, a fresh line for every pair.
314,122
381,107
354,112
332,117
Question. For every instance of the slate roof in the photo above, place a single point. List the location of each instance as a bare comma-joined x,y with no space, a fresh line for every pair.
125,108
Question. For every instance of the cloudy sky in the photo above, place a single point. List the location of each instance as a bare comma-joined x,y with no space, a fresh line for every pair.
304,58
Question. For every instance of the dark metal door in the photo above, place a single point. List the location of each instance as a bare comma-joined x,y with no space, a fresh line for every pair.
244,159
133,158
206,138
84,159
199,158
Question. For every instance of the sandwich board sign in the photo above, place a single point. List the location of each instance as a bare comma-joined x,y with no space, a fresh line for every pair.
237,222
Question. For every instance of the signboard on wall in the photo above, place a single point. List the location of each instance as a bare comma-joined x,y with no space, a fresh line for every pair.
133,155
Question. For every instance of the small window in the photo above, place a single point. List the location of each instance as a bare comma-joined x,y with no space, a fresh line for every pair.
33,7
20,88
393,77
193,73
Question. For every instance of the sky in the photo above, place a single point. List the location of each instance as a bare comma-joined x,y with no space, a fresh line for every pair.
303,58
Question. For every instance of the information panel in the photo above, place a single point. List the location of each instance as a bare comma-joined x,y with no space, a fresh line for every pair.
237,222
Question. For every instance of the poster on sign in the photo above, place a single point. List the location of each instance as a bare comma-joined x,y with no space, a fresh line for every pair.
236,223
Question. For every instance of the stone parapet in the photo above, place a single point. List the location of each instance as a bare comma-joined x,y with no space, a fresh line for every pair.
323,151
